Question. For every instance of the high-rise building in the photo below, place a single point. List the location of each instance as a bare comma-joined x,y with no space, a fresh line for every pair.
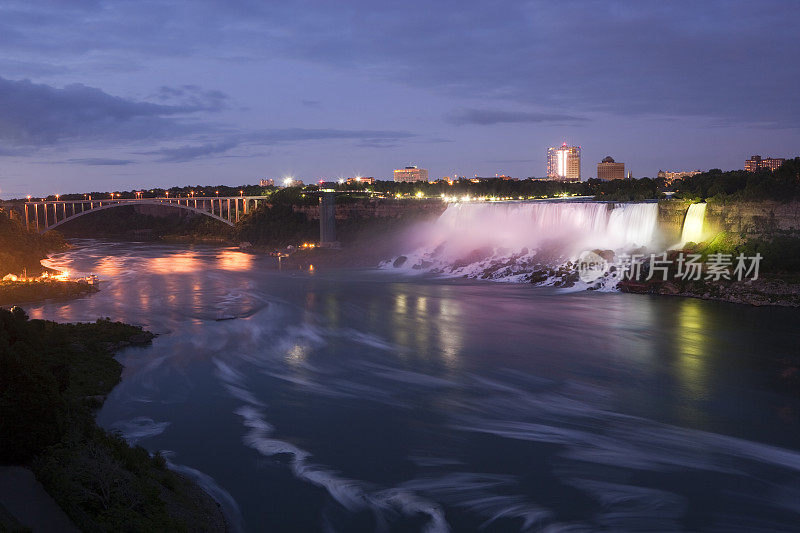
411,174
564,163
768,163
266,183
608,169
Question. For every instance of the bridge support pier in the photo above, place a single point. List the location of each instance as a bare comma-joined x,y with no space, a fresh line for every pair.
327,218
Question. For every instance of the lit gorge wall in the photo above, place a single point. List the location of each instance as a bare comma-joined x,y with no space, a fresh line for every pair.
740,220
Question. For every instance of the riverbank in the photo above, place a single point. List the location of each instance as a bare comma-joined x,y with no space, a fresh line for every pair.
767,290
27,291
54,378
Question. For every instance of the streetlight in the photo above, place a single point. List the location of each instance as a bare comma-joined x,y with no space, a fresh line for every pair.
217,193
241,193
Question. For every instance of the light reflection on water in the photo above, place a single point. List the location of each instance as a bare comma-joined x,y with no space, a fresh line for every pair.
341,399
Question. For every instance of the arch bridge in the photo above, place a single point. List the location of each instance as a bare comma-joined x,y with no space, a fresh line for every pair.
46,215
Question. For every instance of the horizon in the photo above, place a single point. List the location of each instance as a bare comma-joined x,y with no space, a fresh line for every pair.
103,96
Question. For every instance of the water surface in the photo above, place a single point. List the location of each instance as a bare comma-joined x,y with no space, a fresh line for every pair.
361,400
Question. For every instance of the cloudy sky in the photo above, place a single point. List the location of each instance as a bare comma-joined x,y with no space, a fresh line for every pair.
98,95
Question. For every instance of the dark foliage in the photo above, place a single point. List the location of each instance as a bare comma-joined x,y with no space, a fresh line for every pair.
52,377
737,185
21,249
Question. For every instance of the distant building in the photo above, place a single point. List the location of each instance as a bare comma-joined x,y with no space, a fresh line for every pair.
669,176
411,174
608,169
503,177
292,182
266,183
768,163
362,180
564,163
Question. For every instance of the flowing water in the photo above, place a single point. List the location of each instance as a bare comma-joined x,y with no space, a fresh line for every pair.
693,224
364,400
506,241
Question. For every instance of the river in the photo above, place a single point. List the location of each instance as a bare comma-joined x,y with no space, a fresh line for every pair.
375,400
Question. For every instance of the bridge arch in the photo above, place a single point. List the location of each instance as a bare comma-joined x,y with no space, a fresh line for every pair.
140,202
183,203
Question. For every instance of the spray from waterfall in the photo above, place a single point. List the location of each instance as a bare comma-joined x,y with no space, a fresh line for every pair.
512,240
693,224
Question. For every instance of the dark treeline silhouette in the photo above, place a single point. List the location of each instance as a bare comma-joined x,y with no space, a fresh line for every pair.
22,250
53,377
737,185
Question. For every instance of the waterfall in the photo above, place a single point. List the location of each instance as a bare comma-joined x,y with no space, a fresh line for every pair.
504,239
693,224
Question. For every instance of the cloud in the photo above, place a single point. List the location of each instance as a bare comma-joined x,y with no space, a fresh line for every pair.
100,161
185,153
484,117
35,115
575,56
189,152
192,97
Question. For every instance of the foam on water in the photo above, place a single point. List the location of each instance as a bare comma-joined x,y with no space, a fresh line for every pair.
230,508
507,241
353,495
138,428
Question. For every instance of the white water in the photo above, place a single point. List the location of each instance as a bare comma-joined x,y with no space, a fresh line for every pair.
507,241
693,223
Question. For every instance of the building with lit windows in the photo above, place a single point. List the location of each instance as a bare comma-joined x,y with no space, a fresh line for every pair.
564,163
608,169
360,180
768,163
668,176
411,174
266,183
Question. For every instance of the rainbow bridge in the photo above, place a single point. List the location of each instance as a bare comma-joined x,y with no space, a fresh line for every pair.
46,215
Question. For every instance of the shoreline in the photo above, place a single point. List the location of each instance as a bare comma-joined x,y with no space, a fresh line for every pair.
764,291
767,290
34,291
99,480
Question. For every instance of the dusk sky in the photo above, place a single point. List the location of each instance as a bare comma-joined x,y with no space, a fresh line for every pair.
119,95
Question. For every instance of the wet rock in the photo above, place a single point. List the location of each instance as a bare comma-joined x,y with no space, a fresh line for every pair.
400,261
669,288
608,255
540,276
568,280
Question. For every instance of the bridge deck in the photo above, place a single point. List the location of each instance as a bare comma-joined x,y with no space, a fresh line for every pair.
48,214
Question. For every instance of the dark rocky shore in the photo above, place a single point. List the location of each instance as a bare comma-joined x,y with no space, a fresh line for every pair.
770,290
54,378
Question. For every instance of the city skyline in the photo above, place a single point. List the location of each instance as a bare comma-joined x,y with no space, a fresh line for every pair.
99,96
